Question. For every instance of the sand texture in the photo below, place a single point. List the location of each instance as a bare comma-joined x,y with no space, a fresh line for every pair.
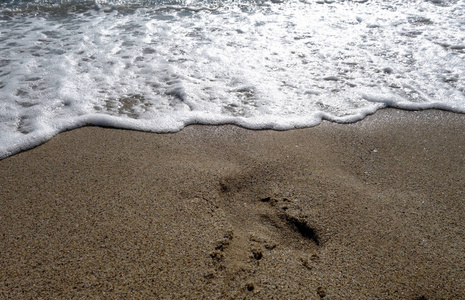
368,210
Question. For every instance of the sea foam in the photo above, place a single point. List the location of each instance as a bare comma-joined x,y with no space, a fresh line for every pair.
160,66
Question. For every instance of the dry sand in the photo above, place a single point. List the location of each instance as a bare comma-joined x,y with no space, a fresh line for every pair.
368,210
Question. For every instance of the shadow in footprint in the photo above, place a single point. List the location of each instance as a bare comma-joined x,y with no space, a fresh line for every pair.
302,227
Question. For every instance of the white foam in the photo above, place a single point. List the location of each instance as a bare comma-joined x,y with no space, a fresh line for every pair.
278,65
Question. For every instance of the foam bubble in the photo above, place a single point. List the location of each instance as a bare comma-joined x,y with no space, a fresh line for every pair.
163,65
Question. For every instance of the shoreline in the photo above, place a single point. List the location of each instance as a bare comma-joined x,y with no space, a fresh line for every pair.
363,210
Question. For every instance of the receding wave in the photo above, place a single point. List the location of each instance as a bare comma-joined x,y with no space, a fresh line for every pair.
161,65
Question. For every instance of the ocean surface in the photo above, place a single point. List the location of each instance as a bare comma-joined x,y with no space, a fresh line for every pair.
162,65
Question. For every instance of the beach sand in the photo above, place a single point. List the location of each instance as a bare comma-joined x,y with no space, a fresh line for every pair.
373,209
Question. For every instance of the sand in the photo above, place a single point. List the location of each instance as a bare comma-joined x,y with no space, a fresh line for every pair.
368,210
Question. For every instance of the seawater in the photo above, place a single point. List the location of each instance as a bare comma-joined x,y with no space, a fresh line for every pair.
161,65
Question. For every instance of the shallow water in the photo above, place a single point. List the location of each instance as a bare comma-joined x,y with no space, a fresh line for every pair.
161,65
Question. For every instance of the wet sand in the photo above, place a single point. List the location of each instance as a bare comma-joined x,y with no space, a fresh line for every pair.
374,209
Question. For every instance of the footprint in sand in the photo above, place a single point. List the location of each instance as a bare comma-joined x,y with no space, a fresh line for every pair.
287,214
